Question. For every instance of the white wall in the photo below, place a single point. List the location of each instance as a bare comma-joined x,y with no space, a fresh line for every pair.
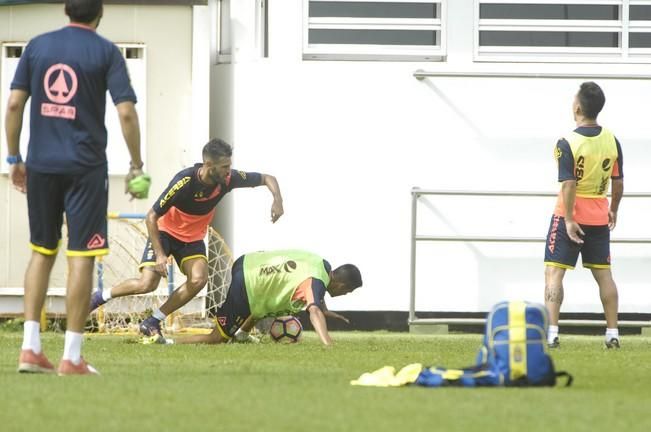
348,140
168,117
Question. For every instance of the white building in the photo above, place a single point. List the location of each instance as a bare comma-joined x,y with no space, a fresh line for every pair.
323,95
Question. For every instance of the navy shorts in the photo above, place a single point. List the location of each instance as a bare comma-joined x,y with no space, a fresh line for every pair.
181,251
235,309
84,200
562,252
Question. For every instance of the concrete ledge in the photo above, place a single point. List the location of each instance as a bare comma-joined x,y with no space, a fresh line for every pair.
428,328
55,305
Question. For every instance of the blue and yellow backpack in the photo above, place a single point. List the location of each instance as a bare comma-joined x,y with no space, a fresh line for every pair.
513,353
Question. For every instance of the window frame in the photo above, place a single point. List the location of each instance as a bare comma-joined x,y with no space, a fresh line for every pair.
223,55
222,47
375,52
638,26
623,26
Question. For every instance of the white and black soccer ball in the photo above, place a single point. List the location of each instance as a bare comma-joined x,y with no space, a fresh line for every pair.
286,329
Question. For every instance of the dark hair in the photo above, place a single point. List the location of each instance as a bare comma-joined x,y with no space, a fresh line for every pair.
349,275
591,98
215,149
83,11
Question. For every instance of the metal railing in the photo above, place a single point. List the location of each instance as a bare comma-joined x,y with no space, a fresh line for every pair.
416,193
421,74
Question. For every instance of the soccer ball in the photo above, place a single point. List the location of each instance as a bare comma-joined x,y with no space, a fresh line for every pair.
286,329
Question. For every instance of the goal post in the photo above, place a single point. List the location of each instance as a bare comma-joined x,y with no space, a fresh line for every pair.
127,236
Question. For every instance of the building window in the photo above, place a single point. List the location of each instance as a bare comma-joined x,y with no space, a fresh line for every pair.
374,30
563,30
223,31
230,42
639,27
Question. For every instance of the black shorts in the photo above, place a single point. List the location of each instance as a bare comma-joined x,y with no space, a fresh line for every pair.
560,251
84,200
235,309
181,251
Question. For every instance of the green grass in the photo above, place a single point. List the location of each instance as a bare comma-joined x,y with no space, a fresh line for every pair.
305,387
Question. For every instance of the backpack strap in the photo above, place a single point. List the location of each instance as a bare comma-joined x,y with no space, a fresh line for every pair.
567,375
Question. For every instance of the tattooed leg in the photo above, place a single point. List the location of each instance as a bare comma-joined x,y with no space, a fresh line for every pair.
554,292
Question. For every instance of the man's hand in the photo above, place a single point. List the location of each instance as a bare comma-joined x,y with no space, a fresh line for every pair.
612,219
137,183
242,336
161,265
335,315
277,206
276,210
18,176
574,231
155,339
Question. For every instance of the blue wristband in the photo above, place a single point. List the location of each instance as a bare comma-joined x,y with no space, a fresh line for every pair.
12,160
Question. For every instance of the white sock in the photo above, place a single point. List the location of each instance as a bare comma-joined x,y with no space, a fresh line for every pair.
32,336
169,341
160,316
106,294
612,333
552,333
72,347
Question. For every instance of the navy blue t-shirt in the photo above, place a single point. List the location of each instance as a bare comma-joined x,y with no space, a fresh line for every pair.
187,205
67,73
318,287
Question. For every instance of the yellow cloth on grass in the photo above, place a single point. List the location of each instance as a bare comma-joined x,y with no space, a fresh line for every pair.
387,376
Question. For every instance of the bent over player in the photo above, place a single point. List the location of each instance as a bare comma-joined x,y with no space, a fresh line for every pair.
277,283
588,158
177,224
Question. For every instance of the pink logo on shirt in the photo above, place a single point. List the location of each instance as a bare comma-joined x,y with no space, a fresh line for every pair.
60,84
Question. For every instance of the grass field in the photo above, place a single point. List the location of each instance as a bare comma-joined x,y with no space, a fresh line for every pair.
305,387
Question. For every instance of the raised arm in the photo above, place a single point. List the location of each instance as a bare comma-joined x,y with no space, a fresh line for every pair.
277,205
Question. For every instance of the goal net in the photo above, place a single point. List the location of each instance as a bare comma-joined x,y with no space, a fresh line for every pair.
127,238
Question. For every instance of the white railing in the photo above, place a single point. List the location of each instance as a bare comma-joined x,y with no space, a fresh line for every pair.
421,74
416,193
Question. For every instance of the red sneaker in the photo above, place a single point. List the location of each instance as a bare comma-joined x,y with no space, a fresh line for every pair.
30,362
67,367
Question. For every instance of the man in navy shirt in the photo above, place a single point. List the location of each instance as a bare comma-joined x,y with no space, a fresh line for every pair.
177,224
67,73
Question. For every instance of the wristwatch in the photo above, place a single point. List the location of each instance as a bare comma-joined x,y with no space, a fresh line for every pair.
12,160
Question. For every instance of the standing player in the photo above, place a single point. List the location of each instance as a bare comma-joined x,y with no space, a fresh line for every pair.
588,159
278,283
177,225
67,73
